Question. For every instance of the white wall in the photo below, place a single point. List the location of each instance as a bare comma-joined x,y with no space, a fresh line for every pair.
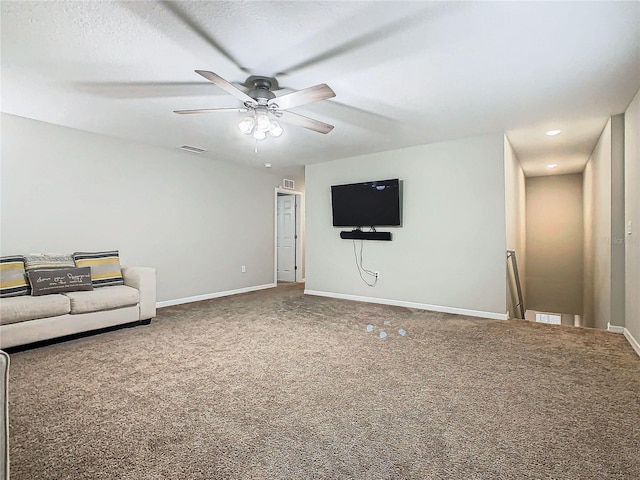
632,214
603,247
554,244
588,245
195,219
617,235
449,252
597,231
515,195
297,175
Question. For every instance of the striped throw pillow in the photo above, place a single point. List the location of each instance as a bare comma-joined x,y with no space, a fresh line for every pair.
105,267
48,260
13,279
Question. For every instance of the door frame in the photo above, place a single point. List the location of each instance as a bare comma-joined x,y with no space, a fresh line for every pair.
299,277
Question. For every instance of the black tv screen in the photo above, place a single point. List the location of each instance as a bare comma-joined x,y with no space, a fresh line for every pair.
367,204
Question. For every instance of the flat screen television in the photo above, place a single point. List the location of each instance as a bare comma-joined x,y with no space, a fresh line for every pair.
366,204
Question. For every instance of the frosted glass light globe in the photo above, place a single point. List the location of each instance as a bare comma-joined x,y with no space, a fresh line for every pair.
276,129
262,121
246,125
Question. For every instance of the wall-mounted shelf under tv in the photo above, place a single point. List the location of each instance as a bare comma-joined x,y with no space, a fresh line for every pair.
360,235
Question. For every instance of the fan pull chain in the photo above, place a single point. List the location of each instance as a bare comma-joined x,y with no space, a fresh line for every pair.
256,149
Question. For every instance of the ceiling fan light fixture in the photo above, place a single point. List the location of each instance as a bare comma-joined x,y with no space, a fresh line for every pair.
259,134
262,122
259,124
246,125
276,129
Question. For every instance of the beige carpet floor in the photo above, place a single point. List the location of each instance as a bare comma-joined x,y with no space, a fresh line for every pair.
277,385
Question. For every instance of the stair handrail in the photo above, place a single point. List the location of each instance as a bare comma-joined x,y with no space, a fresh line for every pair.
511,254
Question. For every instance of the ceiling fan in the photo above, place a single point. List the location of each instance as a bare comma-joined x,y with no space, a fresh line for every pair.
265,108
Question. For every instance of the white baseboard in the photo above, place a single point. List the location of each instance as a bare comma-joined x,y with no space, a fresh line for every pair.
209,296
401,303
615,328
634,343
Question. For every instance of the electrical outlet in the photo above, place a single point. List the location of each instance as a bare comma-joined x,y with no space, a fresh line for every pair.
244,269
377,275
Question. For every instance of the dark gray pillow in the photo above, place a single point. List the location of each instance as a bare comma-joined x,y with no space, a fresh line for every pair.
57,280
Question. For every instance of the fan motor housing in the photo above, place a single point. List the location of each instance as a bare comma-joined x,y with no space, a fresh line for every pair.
262,91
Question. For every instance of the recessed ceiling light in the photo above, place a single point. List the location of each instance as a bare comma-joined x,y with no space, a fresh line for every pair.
552,166
267,165
553,133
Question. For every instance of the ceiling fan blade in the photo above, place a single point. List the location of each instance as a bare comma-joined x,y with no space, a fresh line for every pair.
382,33
302,121
302,97
358,117
210,110
226,86
201,32
138,90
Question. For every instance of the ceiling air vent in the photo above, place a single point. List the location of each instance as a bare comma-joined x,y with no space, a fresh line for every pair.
289,184
191,149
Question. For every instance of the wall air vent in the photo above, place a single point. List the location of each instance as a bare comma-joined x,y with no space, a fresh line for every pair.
191,149
288,184
550,318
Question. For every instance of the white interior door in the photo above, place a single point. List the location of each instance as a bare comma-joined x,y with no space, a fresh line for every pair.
286,238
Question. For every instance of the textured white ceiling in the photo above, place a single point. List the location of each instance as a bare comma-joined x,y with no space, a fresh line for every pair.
404,73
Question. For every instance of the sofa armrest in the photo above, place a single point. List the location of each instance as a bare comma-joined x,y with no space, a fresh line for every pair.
143,279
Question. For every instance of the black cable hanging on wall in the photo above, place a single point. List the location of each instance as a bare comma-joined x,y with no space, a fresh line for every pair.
361,269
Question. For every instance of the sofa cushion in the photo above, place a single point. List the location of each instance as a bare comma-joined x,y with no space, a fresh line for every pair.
48,260
45,281
13,280
20,309
105,267
103,299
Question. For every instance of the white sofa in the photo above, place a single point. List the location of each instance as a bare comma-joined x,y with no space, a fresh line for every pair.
28,319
